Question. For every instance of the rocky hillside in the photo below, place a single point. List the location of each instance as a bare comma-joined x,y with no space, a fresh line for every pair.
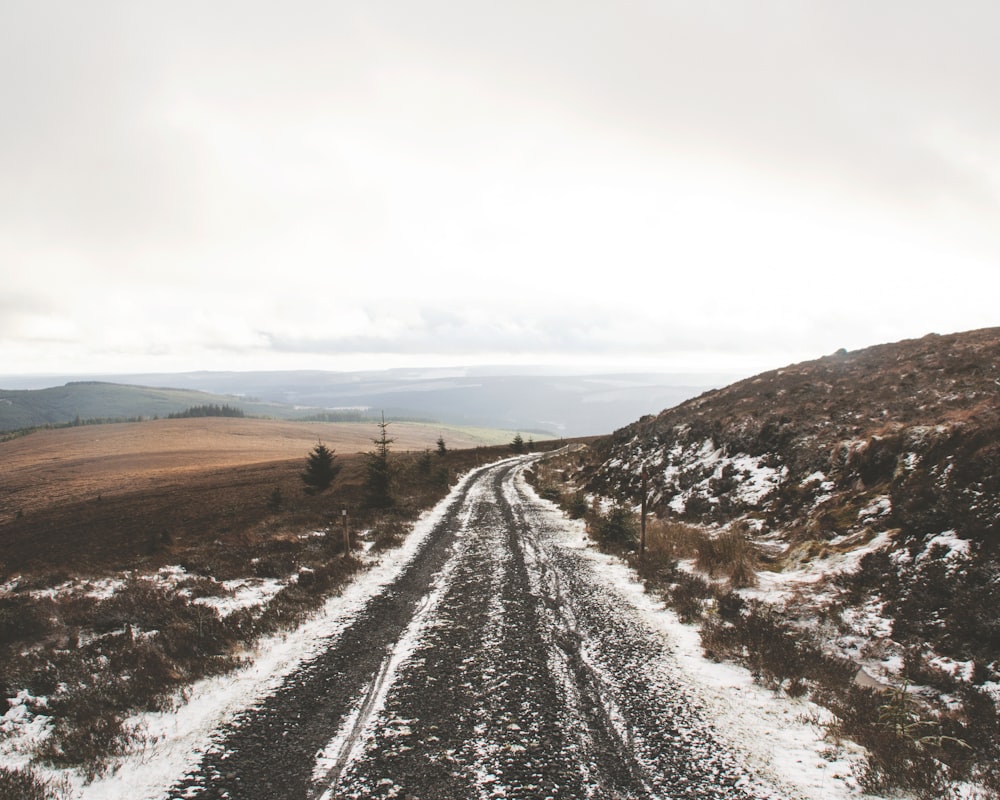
868,483
899,436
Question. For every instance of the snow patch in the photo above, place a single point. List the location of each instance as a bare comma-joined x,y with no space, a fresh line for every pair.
956,548
879,507
751,477
780,737
177,739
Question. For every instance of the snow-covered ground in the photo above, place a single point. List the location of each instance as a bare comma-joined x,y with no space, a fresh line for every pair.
174,740
779,736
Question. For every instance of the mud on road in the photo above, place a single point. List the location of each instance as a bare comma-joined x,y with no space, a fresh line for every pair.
500,663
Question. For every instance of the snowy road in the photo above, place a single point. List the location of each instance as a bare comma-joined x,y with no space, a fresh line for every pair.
499,663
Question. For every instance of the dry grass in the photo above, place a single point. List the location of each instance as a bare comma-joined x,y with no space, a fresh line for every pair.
669,540
136,495
729,554
72,464
194,494
24,784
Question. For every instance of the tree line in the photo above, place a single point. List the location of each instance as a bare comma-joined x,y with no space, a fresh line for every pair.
210,410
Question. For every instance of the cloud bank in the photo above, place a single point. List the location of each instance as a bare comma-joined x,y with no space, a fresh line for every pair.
334,185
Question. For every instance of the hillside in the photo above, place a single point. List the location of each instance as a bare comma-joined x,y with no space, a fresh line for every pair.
911,426
83,401
867,486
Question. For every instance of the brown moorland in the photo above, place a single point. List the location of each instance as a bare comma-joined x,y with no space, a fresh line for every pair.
111,536
112,496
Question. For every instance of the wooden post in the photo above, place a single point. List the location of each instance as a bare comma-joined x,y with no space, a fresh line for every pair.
642,523
347,535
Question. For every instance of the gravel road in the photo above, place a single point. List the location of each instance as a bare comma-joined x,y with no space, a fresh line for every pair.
499,664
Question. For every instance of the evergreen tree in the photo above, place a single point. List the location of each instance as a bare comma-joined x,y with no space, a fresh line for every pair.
320,469
425,463
378,483
275,501
517,443
442,447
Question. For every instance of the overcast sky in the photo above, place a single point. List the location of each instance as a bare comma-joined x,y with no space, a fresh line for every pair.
637,183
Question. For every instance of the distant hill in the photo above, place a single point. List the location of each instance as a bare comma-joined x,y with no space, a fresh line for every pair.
84,401
512,399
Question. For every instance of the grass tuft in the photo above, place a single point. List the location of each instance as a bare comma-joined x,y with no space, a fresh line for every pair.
24,784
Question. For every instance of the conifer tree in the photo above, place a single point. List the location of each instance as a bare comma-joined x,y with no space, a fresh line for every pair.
320,469
378,484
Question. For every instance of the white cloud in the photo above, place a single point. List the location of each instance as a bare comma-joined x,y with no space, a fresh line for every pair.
195,186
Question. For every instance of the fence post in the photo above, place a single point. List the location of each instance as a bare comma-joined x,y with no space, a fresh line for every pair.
642,523
347,535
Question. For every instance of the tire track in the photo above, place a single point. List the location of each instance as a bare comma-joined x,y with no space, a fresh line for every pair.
497,665
269,751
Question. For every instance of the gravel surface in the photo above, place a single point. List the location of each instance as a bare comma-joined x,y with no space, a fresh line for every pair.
499,664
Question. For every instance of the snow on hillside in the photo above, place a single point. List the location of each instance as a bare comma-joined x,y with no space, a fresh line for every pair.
869,483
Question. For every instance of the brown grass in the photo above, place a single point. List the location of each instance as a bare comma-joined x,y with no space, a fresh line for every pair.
83,462
222,499
135,495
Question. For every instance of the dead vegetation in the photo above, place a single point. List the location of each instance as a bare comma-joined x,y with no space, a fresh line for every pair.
117,595
928,740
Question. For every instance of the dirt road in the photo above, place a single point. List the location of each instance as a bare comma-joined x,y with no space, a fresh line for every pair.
499,664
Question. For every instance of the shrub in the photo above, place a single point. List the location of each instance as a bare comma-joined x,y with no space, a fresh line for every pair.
549,492
274,565
388,532
754,634
143,603
22,784
617,529
885,728
87,719
576,505
687,596
276,500
732,554
23,618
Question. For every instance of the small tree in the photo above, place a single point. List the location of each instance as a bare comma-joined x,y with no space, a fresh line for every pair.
442,447
378,484
517,443
425,463
275,501
617,528
320,469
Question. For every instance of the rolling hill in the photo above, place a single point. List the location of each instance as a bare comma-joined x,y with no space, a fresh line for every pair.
83,401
